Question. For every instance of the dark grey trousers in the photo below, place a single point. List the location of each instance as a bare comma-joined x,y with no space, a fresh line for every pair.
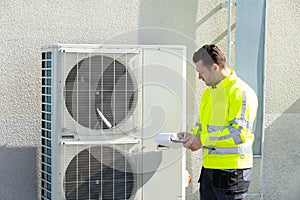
217,184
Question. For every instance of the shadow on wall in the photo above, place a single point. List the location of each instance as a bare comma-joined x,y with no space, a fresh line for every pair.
18,173
174,22
176,15
282,155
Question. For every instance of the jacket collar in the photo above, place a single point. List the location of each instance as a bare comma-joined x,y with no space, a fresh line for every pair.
226,80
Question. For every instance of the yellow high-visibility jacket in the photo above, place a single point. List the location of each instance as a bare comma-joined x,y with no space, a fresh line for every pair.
227,113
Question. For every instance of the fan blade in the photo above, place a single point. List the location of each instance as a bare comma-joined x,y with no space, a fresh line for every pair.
104,118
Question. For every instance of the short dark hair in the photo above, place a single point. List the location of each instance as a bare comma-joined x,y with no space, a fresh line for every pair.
210,54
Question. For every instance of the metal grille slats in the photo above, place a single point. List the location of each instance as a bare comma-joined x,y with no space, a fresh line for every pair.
46,158
99,172
100,82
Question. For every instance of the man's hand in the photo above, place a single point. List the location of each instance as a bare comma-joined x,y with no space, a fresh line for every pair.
181,135
191,142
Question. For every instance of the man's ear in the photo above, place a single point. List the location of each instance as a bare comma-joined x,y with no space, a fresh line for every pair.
215,67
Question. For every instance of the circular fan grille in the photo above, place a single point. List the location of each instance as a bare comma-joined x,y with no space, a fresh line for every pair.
99,92
99,173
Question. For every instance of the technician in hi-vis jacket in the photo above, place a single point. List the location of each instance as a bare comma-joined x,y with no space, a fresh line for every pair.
224,130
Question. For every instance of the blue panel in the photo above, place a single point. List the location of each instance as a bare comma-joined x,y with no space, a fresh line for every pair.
49,170
249,53
46,133
46,90
46,116
49,125
46,125
46,99
46,81
48,143
48,64
48,195
48,160
249,40
48,178
46,73
48,186
48,152
49,54
46,108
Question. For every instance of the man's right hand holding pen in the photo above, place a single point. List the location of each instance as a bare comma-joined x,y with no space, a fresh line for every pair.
190,141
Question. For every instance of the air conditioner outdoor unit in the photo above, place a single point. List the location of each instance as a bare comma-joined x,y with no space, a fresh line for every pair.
102,105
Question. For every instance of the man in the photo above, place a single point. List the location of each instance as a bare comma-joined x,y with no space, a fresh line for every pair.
224,130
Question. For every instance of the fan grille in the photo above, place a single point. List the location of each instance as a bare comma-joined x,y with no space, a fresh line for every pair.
99,172
99,83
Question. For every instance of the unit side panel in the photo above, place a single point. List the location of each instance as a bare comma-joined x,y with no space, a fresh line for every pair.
164,111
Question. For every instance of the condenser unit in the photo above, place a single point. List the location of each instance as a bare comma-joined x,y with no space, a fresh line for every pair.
102,105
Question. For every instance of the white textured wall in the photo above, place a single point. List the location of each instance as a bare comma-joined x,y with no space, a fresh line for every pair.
27,25
282,113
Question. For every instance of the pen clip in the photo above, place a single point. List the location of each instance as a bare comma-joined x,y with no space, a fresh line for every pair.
177,141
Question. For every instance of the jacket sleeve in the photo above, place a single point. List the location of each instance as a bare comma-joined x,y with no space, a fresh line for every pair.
242,113
197,128
241,116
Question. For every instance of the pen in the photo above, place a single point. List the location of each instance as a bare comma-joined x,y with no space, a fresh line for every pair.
208,147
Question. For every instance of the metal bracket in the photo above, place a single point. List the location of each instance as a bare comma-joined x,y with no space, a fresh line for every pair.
226,4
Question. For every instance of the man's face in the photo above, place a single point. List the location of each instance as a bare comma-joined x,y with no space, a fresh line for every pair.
207,74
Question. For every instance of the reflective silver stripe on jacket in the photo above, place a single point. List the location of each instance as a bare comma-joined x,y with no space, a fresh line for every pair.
199,125
242,122
211,128
244,105
239,121
231,150
234,134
